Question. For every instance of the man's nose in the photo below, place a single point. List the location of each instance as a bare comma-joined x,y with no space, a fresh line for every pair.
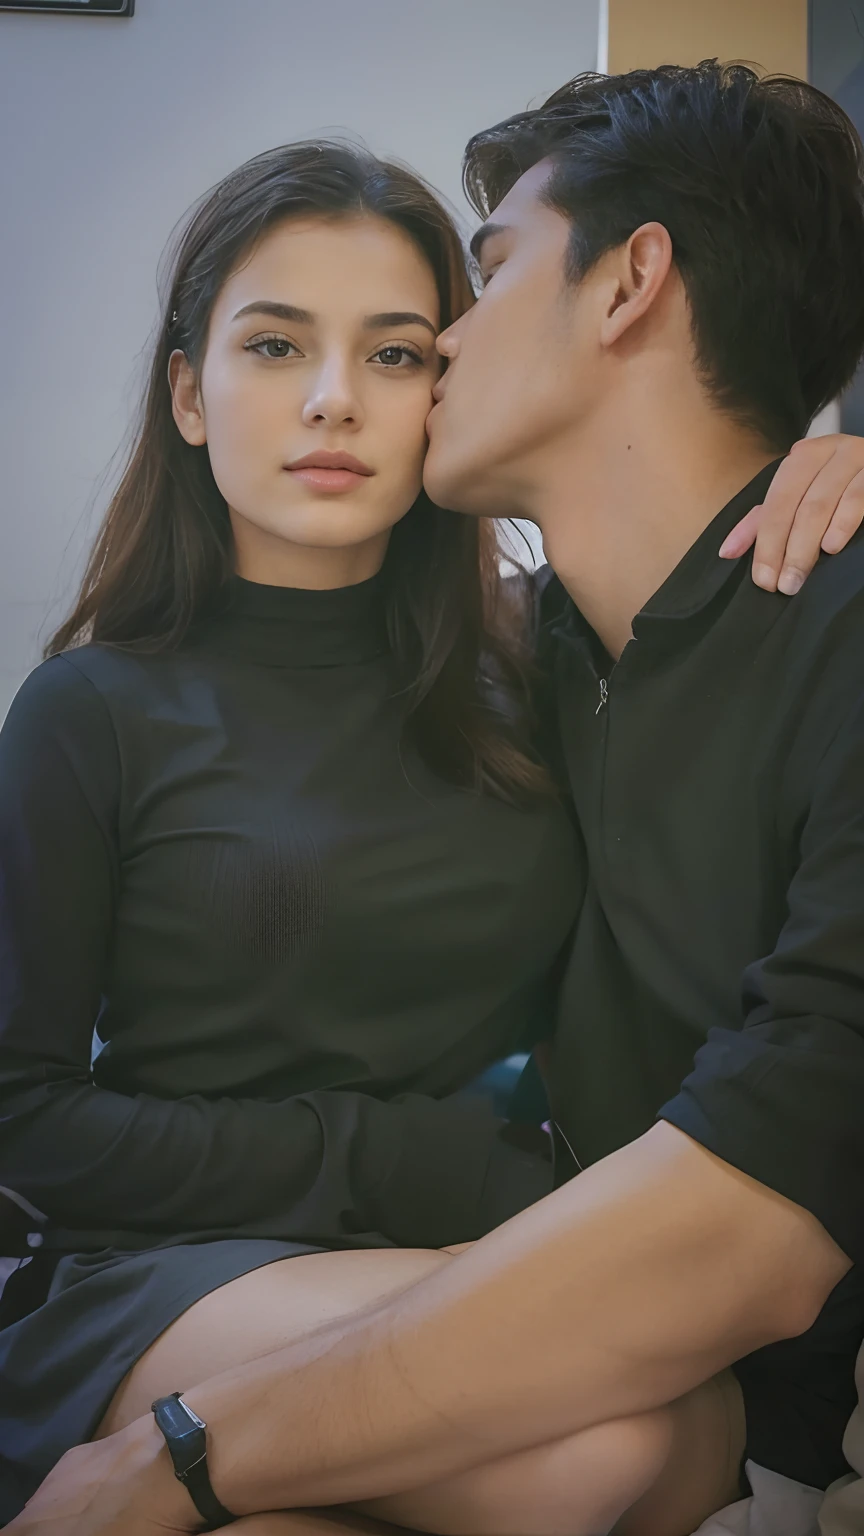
449,341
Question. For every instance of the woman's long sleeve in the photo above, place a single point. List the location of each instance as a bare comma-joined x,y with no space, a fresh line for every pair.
330,1167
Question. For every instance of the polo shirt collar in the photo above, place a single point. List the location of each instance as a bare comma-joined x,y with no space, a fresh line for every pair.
695,582
697,579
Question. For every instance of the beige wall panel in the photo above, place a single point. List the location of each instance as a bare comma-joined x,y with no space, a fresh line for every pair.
644,33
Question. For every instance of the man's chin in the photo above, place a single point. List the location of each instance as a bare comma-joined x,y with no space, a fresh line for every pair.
455,487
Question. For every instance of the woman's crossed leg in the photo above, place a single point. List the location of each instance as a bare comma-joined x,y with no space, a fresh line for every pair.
655,1474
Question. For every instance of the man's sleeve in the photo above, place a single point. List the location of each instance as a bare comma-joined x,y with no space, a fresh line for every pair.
783,1097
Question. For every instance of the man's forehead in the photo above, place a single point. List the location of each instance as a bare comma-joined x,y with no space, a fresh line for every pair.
522,199
522,211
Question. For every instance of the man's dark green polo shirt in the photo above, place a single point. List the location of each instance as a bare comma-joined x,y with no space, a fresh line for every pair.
717,975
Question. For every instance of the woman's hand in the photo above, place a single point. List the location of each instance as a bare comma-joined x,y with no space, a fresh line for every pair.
121,1486
815,501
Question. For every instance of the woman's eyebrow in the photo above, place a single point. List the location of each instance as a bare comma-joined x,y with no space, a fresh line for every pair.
397,317
279,311
305,316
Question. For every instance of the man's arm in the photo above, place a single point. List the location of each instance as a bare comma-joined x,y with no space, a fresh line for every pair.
781,1097
637,1280
632,1284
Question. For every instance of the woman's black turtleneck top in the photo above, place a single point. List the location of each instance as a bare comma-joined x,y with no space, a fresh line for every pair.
293,940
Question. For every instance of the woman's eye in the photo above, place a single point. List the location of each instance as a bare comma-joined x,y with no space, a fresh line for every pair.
398,357
271,346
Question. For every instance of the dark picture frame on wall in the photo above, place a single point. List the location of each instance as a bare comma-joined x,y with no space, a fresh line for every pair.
73,7
837,67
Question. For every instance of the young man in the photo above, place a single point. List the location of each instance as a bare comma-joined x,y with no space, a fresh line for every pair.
672,274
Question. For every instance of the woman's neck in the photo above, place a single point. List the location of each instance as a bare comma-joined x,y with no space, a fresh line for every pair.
272,561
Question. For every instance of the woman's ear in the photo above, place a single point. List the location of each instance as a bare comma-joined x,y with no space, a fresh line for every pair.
186,405
642,266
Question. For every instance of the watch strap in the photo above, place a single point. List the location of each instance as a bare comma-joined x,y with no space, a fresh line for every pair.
188,1452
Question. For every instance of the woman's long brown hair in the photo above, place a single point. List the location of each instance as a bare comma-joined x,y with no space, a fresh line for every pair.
165,550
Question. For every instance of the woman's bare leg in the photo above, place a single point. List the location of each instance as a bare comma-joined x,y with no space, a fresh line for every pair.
575,1487
259,1312
658,1474
702,1472
304,1522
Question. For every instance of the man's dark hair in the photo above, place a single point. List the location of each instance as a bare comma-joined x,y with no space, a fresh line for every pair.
760,183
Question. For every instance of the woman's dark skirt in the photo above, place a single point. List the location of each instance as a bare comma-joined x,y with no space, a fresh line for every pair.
61,1365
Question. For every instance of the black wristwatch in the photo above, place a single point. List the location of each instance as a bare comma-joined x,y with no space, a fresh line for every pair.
186,1438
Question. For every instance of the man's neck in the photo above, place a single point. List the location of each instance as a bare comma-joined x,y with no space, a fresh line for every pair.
619,509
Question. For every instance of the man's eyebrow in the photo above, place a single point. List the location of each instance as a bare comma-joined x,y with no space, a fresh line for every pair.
397,317
484,233
279,311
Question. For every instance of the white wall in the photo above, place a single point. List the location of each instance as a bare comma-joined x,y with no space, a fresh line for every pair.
109,129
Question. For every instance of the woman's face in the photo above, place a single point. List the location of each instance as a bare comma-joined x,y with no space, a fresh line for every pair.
313,394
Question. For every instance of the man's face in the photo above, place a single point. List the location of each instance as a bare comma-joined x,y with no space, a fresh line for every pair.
520,363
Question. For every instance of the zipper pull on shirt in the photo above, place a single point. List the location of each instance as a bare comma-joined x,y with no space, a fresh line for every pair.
604,695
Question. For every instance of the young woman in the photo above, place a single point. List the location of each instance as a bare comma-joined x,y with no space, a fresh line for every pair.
273,827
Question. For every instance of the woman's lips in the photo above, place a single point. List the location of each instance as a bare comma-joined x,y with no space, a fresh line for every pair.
328,470
321,479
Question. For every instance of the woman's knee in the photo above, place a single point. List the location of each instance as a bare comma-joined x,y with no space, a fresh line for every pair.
702,1470
304,1522
578,1486
655,1474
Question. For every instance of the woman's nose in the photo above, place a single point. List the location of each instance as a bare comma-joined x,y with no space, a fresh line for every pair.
333,398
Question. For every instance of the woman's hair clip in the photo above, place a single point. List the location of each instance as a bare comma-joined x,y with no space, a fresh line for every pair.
172,323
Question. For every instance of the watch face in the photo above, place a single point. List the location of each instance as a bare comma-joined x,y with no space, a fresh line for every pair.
194,1417
177,1421
73,7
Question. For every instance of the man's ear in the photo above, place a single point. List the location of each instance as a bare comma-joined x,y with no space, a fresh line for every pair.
641,269
186,405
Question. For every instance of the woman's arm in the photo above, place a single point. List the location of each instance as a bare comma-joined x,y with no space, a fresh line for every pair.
320,1167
